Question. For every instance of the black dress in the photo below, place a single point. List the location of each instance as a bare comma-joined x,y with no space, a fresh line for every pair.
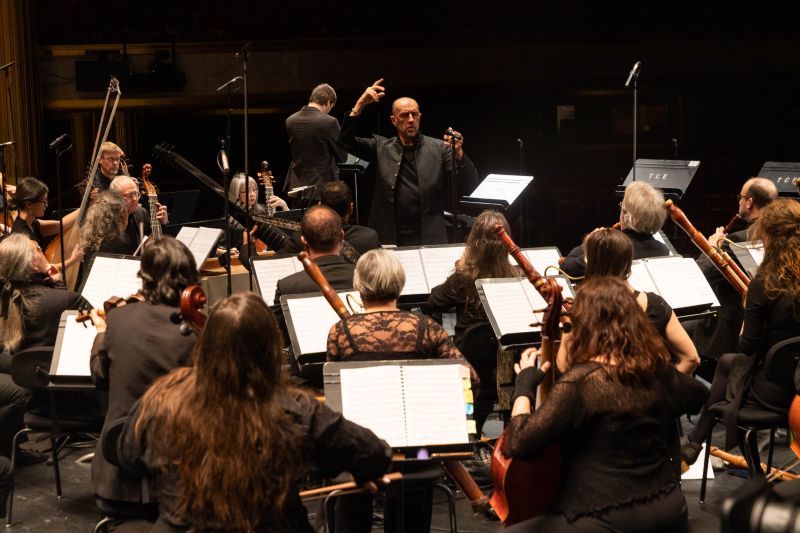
33,231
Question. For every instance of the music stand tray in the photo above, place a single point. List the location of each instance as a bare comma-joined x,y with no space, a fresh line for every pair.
671,176
497,191
783,176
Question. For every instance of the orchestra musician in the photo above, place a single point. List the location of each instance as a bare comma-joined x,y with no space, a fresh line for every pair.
613,411
236,194
609,253
31,200
104,227
641,214
31,304
138,220
136,344
485,256
337,196
412,172
719,334
770,316
109,166
228,441
384,332
313,133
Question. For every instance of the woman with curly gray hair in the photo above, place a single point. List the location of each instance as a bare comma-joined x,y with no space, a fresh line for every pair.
104,226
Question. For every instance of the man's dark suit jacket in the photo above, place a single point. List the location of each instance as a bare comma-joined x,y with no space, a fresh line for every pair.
362,238
312,138
337,271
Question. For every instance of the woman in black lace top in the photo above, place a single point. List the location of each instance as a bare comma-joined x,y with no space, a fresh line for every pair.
613,412
609,253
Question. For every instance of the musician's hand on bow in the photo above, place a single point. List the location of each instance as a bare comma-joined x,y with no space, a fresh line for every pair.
372,94
276,202
717,237
161,215
530,359
456,140
98,321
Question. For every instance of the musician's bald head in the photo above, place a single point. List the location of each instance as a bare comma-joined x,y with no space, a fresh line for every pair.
321,231
757,193
406,119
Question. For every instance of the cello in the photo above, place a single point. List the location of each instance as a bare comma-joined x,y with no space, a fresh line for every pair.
152,201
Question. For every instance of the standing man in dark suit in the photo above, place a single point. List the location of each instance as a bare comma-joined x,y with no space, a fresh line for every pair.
412,172
137,344
321,236
337,196
312,138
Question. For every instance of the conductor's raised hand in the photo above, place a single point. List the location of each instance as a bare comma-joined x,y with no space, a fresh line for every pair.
372,94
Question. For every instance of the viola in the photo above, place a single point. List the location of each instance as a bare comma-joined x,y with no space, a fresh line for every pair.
152,200
109,305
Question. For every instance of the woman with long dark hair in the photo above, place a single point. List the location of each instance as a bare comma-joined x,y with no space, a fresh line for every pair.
227,440
613,411
609,253
771,315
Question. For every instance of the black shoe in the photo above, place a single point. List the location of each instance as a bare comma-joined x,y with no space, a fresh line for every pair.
690,452
25,457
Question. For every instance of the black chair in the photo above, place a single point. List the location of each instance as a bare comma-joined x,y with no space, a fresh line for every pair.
479,346
779,365
30,369
761,507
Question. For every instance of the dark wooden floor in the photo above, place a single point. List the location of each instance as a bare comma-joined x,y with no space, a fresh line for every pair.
37,509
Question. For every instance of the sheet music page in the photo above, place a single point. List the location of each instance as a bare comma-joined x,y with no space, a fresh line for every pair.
200,241
76,348
439,263
415,275
540,258
681,282
373,397
640,278
312,319
111,276
511,303
434,405
757,252
269,271
501,187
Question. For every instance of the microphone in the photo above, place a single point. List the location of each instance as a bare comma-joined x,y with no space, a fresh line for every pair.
223,156
61,139
521,144
453,134
634,73
298,190
245,50
232,80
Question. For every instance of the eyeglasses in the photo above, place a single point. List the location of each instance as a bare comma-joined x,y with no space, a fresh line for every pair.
133,194
740,197
113,159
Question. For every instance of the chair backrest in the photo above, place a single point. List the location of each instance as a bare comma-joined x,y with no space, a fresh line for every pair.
30,368
781,361
110,440
479,345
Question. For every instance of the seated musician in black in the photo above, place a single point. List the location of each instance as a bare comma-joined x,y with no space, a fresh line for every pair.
136,344
138,219
613,412
385,332
104,228
608,253
641,214
337,196
236,194
31,304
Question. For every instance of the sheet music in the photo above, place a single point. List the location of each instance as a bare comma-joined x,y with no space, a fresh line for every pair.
312,319
640,278
501,187
756,252
512,303
434,405
76,348
111,276
373,397
681,282
540,258
439,263
200,241
269,271
415,274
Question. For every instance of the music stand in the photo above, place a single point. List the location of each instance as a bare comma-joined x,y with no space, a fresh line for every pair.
783,176
499,192
356,167
671,176
180,205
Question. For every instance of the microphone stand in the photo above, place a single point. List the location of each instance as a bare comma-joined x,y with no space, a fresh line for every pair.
13,123
3,146
243,53
522,173
222,156
454,192
635,114
59,153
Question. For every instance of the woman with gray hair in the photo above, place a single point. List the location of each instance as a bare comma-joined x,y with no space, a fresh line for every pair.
641,214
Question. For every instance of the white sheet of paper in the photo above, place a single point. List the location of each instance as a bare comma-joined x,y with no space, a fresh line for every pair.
540,258
757,253
200,241
640,278
439,263
501,187
415,274
696,469
512,303
269,271
111,276
681,282
76,348
312,319
373,397
434,405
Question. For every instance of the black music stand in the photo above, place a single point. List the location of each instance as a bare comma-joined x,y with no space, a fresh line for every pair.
671,176
783,176
354,166
499,192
